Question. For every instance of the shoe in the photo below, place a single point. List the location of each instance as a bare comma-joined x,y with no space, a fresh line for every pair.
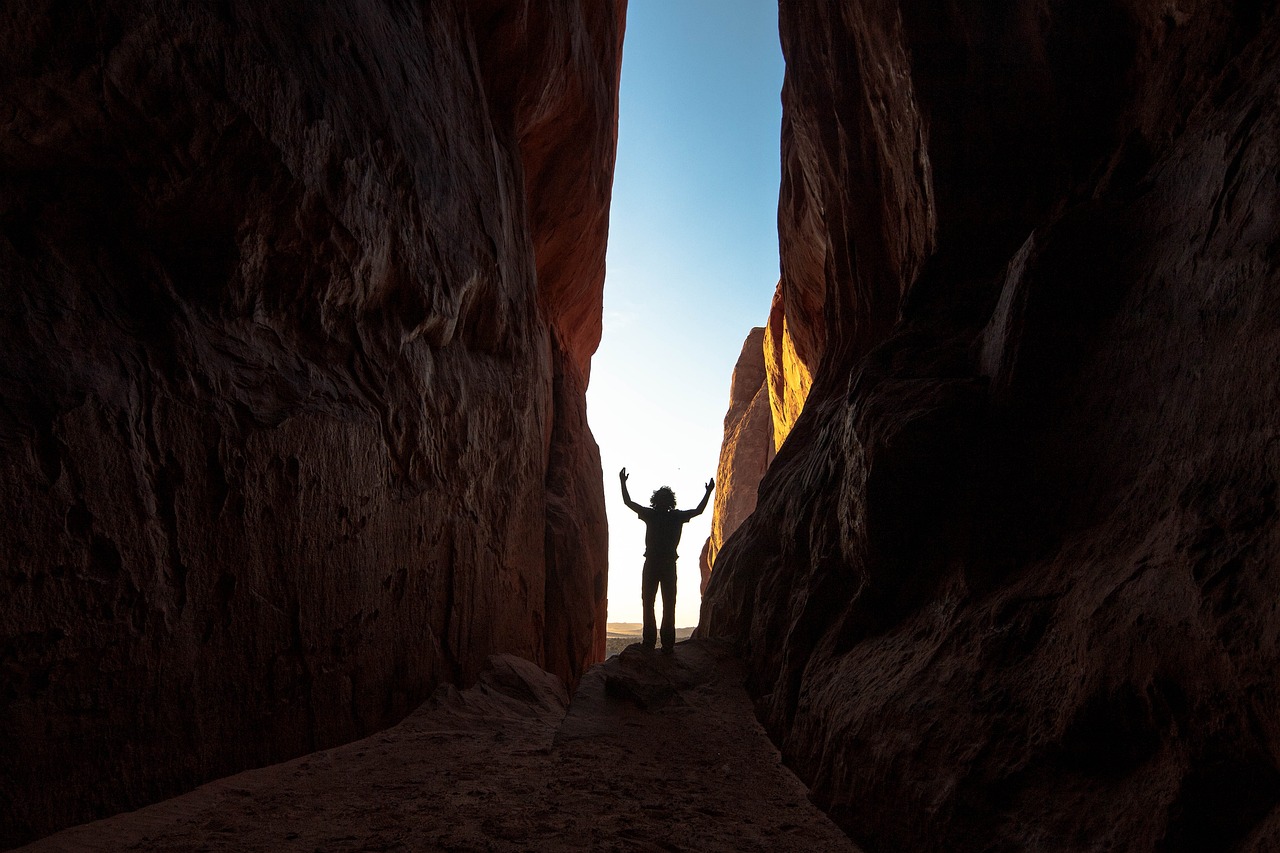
648,647
668,650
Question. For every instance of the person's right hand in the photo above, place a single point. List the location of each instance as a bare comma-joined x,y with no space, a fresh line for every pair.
622,475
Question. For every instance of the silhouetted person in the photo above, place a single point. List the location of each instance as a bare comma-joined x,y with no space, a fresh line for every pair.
663,526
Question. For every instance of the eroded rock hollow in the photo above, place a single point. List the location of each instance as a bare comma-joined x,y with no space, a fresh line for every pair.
299,302
1011,581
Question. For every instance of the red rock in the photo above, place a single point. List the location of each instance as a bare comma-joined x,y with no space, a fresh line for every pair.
746,451
299,303
1009,584
789,377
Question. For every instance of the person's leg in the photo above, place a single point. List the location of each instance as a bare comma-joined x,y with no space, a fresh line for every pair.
648,592
669,607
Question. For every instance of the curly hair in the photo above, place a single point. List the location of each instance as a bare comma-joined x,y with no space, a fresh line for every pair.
663,498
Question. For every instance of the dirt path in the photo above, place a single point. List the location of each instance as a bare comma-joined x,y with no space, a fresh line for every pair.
655,753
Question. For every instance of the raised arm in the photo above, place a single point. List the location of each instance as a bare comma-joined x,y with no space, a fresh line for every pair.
711,485
626,496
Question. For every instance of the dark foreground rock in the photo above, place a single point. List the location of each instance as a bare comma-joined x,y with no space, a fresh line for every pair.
297,302
501,767
1011,581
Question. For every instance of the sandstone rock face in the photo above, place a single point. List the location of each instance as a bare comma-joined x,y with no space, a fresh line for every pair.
769,387
1011,580
789,377
298,306
746,452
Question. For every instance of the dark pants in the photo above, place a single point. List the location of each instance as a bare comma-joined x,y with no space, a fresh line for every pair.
659,573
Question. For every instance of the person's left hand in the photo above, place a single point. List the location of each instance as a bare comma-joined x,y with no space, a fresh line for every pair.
711,484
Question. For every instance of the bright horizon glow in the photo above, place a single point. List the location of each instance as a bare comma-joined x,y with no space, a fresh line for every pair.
692,262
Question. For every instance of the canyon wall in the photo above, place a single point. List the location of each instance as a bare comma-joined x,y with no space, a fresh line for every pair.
298,306
767,393
746,451
788,374
1011,581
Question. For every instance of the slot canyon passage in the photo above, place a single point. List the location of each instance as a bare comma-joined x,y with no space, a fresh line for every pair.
299,307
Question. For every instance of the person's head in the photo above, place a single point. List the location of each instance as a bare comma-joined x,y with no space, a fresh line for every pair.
663,498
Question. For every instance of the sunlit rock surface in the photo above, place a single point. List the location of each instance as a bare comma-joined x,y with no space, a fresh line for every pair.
788,376
1011,582
746,452
298,306
768,390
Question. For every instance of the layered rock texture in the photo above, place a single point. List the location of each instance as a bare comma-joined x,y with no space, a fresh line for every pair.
298,306
746,451
789,373
1011,582
771,381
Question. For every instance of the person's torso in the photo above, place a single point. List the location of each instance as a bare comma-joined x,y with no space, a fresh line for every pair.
662,533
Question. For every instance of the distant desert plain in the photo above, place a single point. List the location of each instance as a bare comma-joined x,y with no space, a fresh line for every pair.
619,635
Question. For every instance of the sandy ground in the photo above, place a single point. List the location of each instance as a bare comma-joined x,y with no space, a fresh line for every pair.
656,753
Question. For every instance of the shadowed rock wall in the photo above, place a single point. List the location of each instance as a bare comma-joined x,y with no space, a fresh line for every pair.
298,306
1011,580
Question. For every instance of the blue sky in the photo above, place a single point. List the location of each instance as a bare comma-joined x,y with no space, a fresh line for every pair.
692,264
